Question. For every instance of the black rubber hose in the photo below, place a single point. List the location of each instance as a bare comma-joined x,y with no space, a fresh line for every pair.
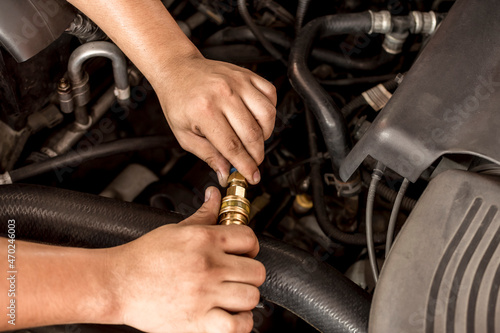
318,196
244,34
63,217
74,158
242,8
311,289
316,99
319,294
302,7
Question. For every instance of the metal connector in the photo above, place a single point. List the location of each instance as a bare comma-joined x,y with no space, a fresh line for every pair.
423,23
381,22
393,42
235,208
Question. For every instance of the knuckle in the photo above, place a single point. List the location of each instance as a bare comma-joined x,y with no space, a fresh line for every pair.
260,272
205,105
253,297
223,88
234,146
229,325
254,134
202,236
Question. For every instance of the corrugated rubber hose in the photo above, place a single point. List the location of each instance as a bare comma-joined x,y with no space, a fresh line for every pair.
311,289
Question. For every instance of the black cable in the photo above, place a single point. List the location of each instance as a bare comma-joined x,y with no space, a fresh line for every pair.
74,158
242,7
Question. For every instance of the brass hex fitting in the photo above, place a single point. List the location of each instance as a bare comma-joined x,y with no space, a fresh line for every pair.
235,208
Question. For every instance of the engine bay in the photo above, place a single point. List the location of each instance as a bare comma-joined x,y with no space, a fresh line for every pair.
377,208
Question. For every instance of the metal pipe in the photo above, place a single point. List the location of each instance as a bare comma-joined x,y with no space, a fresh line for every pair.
100,49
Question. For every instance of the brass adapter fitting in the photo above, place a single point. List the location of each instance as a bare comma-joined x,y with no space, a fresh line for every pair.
235,208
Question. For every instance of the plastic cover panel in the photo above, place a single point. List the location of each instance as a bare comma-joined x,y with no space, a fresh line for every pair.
443,273
29,26
448,103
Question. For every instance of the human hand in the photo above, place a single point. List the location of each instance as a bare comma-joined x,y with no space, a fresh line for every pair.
190,277
220,112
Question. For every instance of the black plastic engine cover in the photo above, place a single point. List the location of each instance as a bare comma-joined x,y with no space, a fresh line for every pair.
443,273
448,103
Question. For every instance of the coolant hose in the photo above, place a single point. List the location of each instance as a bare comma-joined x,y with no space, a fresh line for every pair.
309,288
302,7
316,99
74,158
244,34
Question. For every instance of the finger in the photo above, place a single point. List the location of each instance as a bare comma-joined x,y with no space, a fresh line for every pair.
225,140
237,239
209,211
265,87
236,297
218,320
244,270
247,128
202,148
262,109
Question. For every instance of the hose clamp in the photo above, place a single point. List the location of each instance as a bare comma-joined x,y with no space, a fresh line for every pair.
5,179
381,22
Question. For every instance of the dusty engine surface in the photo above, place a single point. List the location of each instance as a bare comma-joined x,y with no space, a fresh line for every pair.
386,131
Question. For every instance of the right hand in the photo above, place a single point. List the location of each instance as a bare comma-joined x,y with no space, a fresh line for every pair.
190,277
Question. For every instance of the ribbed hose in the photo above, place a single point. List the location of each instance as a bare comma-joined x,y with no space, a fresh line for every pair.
63,217
242,8
316,99
318,196
74,158
313,290
302,7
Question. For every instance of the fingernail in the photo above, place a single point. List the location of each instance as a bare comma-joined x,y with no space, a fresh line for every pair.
208,194
256,177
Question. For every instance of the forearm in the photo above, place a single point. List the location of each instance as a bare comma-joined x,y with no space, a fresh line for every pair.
57,285
144,30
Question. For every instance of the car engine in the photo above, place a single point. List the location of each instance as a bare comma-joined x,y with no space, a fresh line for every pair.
378,205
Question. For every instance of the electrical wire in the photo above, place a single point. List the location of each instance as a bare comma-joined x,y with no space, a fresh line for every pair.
394,215
377,174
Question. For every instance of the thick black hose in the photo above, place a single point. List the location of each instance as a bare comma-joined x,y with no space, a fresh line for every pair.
316,99
302,7
318,196
63,217
242,8
314,291
244,34
76,157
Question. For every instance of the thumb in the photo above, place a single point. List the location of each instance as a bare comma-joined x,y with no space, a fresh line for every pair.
207,214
